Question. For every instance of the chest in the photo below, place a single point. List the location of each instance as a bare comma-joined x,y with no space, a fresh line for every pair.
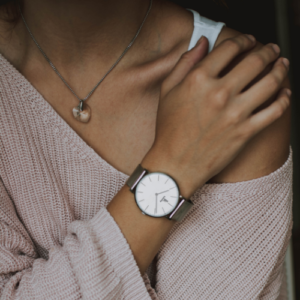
123,116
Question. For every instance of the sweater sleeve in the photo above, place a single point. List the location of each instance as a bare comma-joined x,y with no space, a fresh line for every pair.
94,262
233,242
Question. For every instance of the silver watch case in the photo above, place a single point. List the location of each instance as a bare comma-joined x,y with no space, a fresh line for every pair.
182,207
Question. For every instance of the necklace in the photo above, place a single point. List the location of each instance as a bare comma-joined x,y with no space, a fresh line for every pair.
82,112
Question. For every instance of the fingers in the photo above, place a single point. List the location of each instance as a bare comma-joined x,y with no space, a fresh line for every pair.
268,115
250,67
264,89
224,53
185,64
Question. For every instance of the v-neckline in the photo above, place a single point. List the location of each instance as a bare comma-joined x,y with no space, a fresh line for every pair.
72,139
57,121
51,117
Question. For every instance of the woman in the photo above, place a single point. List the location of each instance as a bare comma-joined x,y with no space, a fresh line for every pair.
217,124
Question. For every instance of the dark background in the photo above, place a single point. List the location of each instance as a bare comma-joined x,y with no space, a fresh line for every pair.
276,21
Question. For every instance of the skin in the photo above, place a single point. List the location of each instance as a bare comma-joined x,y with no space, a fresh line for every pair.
124,107
267,151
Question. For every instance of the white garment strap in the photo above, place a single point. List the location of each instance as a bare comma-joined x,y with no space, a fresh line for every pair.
206,27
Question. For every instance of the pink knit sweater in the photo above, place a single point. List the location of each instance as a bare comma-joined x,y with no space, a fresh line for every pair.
58,241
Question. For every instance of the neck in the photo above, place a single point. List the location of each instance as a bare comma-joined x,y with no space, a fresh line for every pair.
74,29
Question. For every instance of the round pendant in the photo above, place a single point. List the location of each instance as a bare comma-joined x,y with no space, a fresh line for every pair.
82,112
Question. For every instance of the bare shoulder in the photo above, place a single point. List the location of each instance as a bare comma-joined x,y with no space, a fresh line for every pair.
268,150
265,152
173,26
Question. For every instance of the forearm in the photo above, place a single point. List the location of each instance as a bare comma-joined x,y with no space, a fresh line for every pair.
196,138
144,234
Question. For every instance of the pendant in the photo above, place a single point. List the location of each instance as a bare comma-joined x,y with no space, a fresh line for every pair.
82,112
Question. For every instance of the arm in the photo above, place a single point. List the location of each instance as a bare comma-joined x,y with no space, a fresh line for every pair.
263,154
95,258
93,261
235,238
187,158
266,151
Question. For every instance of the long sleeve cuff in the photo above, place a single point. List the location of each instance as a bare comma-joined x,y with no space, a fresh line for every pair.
119,255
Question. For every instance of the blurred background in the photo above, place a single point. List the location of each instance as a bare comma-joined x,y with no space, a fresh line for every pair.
276,21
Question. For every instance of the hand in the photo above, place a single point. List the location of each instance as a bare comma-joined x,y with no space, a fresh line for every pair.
204,120
144,234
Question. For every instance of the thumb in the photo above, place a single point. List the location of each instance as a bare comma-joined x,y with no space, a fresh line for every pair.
185,64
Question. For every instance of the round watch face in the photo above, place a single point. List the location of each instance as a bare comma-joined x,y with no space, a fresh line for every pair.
157,194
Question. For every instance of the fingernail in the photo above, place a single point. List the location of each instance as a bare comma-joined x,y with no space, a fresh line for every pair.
286,62
276,48
289,92
251,37
199,41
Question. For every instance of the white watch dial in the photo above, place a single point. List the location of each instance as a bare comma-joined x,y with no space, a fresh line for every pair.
157,194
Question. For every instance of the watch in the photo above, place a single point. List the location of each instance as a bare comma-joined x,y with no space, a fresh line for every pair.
157,194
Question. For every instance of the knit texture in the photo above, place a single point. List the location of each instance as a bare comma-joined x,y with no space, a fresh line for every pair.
232,244
58,241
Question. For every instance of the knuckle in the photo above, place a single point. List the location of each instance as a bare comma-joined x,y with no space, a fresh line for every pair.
234,116
244,40
238,43
274,81
257,60
220,98
234,44
197,76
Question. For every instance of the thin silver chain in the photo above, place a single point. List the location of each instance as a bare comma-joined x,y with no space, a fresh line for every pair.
60,76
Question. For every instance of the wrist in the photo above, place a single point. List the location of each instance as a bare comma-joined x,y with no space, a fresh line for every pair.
155,161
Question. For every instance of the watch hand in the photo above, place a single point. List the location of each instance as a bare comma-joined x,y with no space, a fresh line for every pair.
163,199
162,192
155,211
